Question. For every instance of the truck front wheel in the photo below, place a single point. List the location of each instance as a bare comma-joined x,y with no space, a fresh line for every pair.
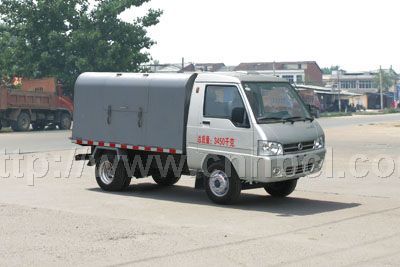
65,122
111,174
22,124
222,184
281,189
168,180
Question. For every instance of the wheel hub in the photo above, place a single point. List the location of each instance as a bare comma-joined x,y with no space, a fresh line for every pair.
24,123
106,172
65,121
219,183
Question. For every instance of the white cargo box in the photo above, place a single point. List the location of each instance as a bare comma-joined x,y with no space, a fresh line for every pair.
126,109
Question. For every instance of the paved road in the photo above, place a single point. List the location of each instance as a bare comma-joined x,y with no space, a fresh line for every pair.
328,220
59,140
33,141
358,119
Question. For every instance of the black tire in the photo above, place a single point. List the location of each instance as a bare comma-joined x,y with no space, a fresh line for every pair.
230,187
120,180
38,126
14,126
281,189
65,121
168,180
22,124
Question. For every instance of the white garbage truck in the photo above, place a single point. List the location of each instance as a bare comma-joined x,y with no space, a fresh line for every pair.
233,131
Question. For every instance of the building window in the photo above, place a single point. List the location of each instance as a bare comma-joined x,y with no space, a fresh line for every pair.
365,84
299,79
348,84
290,78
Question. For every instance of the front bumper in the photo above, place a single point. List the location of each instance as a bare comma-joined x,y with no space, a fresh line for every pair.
289,166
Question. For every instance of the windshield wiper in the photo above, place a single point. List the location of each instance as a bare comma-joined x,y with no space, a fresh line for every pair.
292,119
268,118
285,119
297,118
309,119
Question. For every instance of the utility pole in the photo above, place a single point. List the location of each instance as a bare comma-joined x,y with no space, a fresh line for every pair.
338,88
273,67
394,76
396,92
380,86
183,64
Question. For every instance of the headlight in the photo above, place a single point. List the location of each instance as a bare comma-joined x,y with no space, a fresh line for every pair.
266,148
319,142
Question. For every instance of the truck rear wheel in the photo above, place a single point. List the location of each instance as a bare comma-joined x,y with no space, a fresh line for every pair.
22,124
111,174
220,187
65,122
168,180
281,189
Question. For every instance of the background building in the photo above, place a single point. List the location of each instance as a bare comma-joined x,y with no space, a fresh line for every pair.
299,72
357,82
209,67
186,67
169,67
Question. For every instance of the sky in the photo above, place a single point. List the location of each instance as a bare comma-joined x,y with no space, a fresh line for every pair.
354,34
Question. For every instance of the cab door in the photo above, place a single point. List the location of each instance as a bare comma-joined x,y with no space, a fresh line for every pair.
225,127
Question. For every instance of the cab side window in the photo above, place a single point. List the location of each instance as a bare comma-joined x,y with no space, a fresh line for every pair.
225,102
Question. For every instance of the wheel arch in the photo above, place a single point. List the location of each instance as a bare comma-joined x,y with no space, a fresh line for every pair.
59,112
98,151
235,162
14,113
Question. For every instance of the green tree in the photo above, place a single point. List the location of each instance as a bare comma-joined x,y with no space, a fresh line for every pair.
6,52
388,79
329,70
64,38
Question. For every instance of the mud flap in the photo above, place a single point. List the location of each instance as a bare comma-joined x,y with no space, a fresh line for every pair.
199,184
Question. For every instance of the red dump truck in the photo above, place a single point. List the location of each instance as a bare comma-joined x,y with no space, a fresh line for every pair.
39,102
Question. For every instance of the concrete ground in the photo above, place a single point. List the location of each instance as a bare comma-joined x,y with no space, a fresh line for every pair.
349,215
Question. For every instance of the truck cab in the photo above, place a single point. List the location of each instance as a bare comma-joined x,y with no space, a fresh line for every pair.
256,123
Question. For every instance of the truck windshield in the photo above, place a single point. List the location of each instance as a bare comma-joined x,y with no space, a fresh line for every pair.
275,102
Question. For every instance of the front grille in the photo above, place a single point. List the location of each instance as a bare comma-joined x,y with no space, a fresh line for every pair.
298,147
299,169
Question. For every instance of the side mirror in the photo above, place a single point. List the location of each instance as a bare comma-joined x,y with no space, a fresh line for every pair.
237,116
313,111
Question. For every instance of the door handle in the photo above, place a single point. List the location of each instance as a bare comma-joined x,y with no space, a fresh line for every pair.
140,118
206,122
109,111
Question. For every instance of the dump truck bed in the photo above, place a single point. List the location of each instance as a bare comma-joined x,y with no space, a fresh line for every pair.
13,99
